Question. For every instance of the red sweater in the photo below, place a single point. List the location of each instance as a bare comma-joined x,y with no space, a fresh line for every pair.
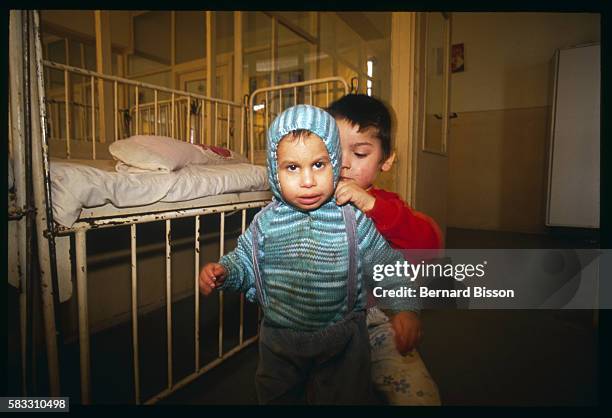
401,226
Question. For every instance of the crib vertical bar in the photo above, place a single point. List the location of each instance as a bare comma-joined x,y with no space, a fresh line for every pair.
197,294
241,332
294,96
136,352
164,118
267,118
310,93
81,278
179,120
172,115
161,111
67,112
93,118
137,111
115,110
280,100
168,121
221,252
66,90
241,137
188,136
216,123
227,131
147,121
155,113
202,122
169,301
327,94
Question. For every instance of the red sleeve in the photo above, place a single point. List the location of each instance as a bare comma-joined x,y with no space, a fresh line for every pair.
402,226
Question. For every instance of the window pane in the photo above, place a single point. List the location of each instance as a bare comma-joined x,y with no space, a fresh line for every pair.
257,31
115,64
76,21
190,36
224,28
348,40
90,57
257,41
339,39
293,53
302,20
74,49
152,36
57,51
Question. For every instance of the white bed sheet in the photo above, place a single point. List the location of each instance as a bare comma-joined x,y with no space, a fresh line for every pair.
76,184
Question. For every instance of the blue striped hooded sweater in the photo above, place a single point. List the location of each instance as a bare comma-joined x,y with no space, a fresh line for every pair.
303,256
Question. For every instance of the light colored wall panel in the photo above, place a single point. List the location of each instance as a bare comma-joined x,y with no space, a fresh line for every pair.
507,56
497,170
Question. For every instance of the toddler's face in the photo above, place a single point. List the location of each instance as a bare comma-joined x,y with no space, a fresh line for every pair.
304,171
362,154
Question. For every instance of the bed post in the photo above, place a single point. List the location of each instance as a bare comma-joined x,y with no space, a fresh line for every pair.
81,281
23,216
42,200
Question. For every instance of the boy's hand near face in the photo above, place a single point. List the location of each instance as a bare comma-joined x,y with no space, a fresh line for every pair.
349,191
212,275
407,328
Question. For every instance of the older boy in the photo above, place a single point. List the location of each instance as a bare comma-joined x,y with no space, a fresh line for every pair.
365,134
307,261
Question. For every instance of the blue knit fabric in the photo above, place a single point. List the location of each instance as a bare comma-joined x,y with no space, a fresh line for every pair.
303,256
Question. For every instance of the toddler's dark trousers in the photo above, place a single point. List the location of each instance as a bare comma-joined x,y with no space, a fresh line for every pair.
329,366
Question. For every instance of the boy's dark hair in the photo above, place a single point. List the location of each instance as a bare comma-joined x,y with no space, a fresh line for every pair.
365,112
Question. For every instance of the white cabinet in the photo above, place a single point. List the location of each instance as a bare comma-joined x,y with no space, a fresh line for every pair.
573,171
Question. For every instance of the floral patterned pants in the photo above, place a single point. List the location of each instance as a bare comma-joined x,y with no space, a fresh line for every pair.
400,380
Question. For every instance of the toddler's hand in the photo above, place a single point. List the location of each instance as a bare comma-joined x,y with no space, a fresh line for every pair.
407,327
349,191
212,275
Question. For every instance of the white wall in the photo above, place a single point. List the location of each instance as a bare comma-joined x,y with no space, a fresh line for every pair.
507,56
497,145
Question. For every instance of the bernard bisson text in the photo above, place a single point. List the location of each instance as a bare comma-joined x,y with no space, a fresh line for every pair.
424,292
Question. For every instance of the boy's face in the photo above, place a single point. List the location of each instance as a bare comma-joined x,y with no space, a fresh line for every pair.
362,154
304,171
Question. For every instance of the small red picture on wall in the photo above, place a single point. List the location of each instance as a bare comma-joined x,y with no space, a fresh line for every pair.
457,58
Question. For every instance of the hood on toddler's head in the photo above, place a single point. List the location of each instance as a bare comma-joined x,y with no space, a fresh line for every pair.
313,119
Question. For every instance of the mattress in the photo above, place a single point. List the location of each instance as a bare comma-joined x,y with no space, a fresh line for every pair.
78,184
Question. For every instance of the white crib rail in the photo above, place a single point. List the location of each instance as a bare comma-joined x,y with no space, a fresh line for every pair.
266,103
80,229
182,115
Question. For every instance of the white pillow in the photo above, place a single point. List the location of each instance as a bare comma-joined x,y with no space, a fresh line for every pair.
159,153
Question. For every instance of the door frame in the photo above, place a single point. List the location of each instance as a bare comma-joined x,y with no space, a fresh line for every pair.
408,99
404,99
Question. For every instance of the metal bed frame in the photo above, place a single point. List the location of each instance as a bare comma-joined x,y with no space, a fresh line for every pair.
30,125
